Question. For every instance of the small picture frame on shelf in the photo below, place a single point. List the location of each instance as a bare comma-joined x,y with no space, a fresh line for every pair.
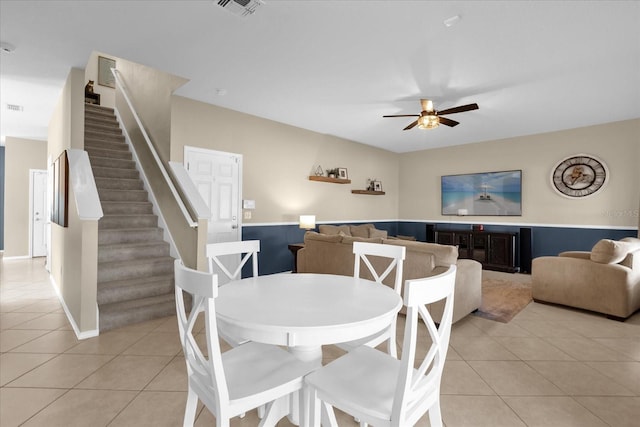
377,186
342,173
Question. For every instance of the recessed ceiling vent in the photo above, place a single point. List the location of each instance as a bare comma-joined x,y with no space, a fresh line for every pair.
15,107
242,8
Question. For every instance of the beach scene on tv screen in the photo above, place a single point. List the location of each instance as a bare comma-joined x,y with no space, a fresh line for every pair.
490,193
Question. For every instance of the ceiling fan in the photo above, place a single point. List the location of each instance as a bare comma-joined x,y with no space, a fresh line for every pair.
430,118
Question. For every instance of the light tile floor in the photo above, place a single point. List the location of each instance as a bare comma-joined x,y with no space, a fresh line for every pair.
550,366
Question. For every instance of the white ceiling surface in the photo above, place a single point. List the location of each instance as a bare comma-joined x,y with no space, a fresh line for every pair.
336,67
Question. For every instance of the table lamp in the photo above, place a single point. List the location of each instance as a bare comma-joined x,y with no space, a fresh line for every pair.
308,222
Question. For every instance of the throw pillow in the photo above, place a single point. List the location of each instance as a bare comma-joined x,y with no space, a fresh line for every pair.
374,232
608,251
351,239
334,229
330,238
361,230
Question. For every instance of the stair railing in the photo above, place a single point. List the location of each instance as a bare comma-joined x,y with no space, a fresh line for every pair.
119,81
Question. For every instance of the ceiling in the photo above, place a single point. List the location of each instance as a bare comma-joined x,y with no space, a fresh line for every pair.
336,67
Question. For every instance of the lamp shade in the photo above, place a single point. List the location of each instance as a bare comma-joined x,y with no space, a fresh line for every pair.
307,221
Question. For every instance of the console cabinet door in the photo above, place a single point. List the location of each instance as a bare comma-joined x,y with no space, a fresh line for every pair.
501,253
495,251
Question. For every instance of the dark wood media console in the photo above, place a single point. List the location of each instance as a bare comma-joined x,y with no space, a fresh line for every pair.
494,250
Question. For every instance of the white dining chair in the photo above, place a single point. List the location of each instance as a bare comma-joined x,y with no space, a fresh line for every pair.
380,390
219,257
394,257
243,378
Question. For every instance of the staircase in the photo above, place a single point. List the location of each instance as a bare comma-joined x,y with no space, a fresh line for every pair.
135,271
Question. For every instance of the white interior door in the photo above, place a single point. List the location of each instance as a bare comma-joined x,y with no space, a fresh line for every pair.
217,176
38,214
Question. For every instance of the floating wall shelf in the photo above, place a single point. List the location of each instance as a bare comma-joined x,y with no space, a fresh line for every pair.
372,193
327,179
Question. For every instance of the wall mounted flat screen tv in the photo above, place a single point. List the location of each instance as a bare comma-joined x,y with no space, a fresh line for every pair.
487,193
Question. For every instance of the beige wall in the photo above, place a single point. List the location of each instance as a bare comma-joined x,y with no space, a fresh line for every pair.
615,205
21,155
74,248
278,159
150,91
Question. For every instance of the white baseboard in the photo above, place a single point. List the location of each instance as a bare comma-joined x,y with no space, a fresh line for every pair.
80,335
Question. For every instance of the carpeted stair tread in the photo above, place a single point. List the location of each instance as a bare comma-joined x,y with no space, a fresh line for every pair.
132,250
119,183
122,314
127,221
130,208
91,117
107,172
101,136
98,108
105,145
115,163
129,235
122,195
132,289
130,269
111,154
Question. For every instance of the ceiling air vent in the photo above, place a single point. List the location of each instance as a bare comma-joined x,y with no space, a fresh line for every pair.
14,107
242,8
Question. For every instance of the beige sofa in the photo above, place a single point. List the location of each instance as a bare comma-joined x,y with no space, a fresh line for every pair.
605,280
333,254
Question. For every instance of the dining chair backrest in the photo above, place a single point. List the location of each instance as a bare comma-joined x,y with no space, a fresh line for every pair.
217,253
395,254
418,389
203,288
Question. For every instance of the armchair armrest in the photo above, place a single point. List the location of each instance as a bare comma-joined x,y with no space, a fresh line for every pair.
576,254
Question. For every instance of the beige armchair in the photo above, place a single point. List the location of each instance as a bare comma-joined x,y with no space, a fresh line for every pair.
605,280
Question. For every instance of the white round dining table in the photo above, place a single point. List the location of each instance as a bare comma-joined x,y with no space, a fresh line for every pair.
305,311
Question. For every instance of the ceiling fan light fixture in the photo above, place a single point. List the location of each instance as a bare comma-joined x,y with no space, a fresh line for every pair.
428,122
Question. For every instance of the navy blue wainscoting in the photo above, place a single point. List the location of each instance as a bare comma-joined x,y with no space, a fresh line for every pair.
544,240
275,256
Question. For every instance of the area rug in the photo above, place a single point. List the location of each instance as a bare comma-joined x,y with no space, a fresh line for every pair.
503,299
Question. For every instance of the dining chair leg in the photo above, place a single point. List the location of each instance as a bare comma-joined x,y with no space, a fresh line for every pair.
435,416
328,416
312,415
190,411
303,414
392,346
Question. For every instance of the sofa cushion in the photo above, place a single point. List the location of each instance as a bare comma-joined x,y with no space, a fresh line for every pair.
361,230
374,232
351,239
334,229
330,238
445,255
608,251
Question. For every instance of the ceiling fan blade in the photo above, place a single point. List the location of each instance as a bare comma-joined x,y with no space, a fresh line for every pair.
404,115
459,109
411,125
447,122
